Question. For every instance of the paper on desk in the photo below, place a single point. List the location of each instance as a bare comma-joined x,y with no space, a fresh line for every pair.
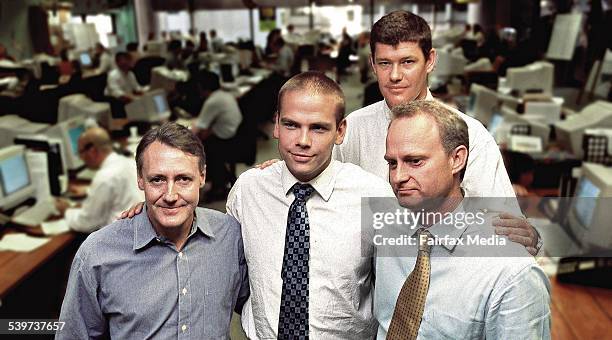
55,227
21,242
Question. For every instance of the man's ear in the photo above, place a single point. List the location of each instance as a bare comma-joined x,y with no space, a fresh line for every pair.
341,131
430,63
372,65
276,132
458,159
203,177
140,182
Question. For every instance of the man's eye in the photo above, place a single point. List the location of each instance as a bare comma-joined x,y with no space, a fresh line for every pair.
156,180
184,179
406,62
289,125
392,165
416,162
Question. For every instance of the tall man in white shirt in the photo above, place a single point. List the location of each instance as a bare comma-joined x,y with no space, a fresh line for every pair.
113,187
300,217
401,58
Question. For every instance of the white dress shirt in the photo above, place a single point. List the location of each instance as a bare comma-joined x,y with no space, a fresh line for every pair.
365,145
112,190
475,291
221,114
121,84
340,273
106,63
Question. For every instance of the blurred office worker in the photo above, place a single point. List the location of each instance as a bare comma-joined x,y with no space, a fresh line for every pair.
217,122
113,187
122,84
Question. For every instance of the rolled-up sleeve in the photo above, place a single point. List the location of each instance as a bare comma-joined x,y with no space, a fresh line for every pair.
81,311
521,308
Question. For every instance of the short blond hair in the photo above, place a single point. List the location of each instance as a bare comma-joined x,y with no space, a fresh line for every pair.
452,128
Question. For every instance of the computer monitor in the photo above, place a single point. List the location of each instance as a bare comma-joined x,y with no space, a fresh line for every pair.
449,64
80,105
537,77
85,59
151,107
69,132
15,177
483,103
536,125
569,133
589,216
12,125
56,163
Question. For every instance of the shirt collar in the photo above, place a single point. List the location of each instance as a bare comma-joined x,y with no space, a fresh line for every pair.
323,183
387,109
144,232
442,230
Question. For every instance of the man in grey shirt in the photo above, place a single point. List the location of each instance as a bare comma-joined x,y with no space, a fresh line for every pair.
172,272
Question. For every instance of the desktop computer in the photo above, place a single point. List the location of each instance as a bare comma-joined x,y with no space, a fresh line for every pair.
449,64
570,132
85,60
151,107
13,125
538,76
80,105
56,163
15,177
166,79
510,121
584,226
483,103
69,132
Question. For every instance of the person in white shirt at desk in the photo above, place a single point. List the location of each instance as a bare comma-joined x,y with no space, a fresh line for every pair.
121,83
104,59
113,187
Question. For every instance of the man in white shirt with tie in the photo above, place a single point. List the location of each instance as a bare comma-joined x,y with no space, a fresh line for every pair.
301,217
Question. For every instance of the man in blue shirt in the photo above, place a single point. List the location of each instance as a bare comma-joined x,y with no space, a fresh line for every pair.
173,272
453,289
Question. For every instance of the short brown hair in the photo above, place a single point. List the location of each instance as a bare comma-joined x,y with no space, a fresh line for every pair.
401,26
173,135
453,129
315,83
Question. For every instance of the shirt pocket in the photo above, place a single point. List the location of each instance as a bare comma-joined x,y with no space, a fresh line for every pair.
444,325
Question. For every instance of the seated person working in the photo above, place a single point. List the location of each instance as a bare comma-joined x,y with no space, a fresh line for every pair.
122,86
218,122
113,187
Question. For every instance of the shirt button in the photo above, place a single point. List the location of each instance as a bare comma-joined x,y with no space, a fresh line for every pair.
181,255
184,291
184,328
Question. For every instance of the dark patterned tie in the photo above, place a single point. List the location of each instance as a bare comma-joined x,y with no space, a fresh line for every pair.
293,318
410,303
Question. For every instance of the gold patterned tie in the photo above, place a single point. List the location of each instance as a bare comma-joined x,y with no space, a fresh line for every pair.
410,303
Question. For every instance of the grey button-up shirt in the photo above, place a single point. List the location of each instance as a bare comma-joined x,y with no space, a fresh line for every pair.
128,283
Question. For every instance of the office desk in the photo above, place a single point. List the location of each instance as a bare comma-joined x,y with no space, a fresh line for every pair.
18,266
580,312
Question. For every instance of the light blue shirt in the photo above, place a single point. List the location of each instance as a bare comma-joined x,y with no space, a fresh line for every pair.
128,283
470,296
